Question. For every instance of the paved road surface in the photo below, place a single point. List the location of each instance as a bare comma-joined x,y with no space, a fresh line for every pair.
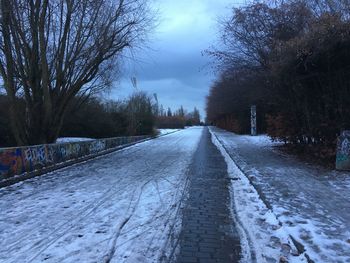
122,207
208,234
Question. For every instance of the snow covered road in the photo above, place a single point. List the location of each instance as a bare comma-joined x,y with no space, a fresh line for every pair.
121,207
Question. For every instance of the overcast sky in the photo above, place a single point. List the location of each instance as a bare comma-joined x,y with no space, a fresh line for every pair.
173,65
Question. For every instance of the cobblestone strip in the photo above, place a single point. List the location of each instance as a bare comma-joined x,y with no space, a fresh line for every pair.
208,233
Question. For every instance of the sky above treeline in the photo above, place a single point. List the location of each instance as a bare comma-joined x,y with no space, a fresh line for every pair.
173,66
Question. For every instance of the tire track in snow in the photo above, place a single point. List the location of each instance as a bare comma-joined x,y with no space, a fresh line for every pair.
107,258
67,226
52,181
154,175
153,179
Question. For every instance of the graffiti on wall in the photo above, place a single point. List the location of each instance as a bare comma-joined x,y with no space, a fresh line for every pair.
97,146
343,151
69,151
15,161
36,157
10,162
345,147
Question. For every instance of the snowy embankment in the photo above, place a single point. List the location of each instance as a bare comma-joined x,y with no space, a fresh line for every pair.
122,207
82,139
263,238
166,131
72,139
312,203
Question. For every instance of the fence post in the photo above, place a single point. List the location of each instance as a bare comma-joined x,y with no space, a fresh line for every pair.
253,120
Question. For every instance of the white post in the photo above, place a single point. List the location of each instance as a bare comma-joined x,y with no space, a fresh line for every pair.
253,120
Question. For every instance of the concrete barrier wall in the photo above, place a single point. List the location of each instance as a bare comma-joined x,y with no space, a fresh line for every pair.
343,151
21,160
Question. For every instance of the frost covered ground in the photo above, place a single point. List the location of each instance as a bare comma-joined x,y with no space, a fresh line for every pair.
122,207
312,204
167,131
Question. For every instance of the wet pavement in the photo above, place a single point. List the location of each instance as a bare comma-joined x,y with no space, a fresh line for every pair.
208,233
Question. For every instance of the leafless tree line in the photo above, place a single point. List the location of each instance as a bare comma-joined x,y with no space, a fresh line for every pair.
292,59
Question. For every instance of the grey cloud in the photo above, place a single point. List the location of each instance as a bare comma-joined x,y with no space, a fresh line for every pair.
174,67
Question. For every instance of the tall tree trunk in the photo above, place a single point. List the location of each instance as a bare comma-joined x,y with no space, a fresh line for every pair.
18,130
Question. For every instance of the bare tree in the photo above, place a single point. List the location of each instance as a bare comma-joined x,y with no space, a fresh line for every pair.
140,112
253,31
52,51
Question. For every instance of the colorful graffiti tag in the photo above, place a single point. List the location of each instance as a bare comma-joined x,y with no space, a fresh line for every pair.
36,157
10,162
15,161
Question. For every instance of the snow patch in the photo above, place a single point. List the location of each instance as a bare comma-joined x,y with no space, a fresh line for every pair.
167,131
264,239
73,139
261,140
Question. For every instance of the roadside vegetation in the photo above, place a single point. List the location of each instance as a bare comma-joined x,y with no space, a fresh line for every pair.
292,60
177,119
94,117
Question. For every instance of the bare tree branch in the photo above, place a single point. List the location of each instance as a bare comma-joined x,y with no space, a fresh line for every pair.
50,51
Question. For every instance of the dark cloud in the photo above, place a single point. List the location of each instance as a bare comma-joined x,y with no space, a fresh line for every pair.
174,67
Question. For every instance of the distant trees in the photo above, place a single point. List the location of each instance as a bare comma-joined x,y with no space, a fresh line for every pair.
95,119
229,100
98,119
178,119
140,114
193,118
292,59
53,51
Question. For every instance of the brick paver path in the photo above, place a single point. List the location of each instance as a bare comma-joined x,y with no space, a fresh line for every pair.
208,233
